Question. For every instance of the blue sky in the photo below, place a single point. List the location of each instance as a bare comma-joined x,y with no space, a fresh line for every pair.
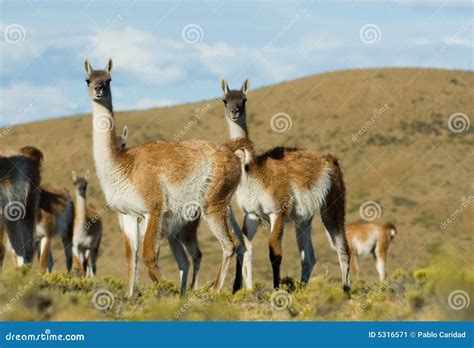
174,52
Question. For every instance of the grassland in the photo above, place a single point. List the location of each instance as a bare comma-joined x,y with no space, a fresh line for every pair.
406,158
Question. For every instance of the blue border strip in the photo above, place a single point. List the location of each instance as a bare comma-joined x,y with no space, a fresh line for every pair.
237,334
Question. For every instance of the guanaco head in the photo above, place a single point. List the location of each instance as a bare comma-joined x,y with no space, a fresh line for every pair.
80,183
235,101
390,230
98,81
121,141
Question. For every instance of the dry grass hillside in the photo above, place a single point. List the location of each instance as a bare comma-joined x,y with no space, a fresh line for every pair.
405,158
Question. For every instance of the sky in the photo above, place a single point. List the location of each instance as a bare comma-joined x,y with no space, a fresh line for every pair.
167,53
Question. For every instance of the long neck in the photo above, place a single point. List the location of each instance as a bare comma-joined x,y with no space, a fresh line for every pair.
237,129
103,130
79,211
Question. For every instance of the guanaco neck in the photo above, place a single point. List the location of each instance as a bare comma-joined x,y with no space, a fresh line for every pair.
237,129
103,130
79,211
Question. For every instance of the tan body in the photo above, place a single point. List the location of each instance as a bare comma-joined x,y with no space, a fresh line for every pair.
20,178
158,182
187,237
87,231
365,239
284,184
55,218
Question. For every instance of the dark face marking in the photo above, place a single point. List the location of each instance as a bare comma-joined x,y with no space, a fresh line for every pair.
98,83
80,185
235,105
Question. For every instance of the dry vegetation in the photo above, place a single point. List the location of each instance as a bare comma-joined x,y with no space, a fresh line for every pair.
407,160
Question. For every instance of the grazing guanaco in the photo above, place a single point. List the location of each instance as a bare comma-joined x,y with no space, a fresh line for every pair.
187,236
20,178
365,239
159,185
55,217
284,184
87,229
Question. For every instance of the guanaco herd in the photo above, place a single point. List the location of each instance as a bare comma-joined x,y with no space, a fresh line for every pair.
162,189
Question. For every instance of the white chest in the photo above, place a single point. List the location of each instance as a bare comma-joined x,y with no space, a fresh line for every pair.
253,199
118,190
365,247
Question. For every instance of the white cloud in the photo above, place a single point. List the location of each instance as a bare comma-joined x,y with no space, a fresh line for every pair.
148,103
457,41
23,102
141,54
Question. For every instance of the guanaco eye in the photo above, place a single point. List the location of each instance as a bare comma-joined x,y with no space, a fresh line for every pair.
88,81
225,102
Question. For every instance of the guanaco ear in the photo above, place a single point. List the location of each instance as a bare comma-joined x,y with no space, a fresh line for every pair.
245,86
243,155
88,175
87,67
125,133
73,176
108,67
224,87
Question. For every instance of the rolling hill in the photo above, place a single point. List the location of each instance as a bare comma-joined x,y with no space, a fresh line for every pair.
389,128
